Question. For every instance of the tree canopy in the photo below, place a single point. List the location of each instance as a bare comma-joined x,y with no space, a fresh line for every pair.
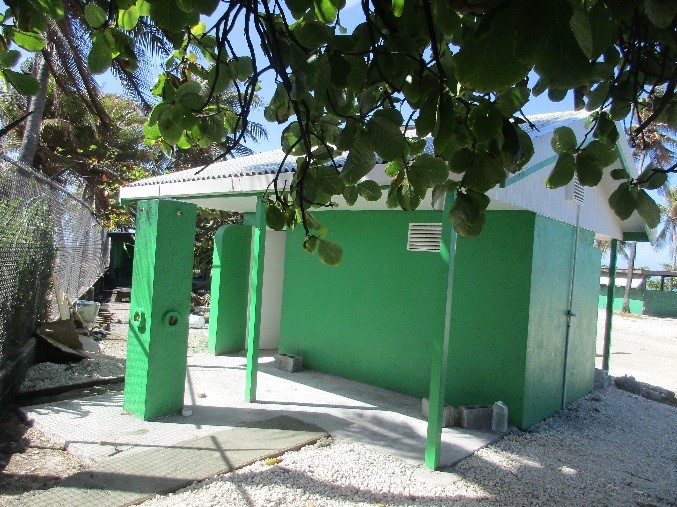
459,71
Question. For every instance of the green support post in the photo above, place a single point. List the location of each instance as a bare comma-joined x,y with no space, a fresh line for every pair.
440,352
258,251
609,305
230,280
162,276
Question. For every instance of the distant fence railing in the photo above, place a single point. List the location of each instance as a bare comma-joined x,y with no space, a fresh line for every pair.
47,235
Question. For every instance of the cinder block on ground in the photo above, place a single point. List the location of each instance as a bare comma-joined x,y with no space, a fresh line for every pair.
449,418
476,417
289,362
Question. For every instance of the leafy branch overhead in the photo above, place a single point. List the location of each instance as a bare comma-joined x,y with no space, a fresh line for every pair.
456,71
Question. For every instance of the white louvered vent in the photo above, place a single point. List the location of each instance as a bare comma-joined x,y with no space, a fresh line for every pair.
424,237
575,191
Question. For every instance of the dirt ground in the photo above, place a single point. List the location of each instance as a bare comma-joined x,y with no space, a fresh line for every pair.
645,348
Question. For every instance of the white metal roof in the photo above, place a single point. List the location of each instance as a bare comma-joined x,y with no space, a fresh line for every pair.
233,184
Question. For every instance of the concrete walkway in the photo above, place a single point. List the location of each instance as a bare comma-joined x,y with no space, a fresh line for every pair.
97,428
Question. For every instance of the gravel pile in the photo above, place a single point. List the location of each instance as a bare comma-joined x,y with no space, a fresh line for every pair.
46,375
610,448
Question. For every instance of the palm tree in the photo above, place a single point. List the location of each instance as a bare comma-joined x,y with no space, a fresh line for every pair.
65,60
658,143
668,233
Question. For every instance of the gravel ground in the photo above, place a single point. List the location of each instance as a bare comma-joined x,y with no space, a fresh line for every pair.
610,448
111,361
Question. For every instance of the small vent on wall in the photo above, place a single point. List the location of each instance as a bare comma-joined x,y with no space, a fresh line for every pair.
424,237
575,191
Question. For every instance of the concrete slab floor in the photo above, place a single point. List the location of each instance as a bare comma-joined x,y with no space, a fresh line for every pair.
97,428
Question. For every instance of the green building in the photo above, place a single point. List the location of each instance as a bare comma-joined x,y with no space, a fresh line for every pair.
510,315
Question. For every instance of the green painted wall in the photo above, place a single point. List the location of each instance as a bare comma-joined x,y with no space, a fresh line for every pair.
157,344
660,304
550,283
490,311
636,299
582,342
229,290
372,317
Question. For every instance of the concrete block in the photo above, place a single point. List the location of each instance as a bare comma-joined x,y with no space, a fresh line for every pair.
449,418
289,362
476,417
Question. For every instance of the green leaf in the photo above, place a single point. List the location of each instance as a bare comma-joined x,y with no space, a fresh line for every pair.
484,173
168,16
298,7
330,253
394,167
512,100
30,41
9,58
95,16
369,190
563,140
188,94
275,218
660,12
648,209
128,18
622,201
580,26
606,154
310,244
398,7
350,194
559,45
100,56
485,122
326,10
409,196
171,123
606,129
588,169
563,172
651,178
53,8
428,171
328,180
385,136
25,84
497,55
620,174
360,160
467,214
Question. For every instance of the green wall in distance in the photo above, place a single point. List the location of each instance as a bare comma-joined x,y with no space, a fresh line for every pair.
372,317
660,304
636,299
490,308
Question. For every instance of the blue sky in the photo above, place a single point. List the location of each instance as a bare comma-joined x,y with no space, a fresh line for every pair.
350,17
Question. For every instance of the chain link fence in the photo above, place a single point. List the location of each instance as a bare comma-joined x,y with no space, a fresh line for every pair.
48,238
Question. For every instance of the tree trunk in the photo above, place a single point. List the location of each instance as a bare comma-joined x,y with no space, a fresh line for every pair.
671,280
31,137
628,284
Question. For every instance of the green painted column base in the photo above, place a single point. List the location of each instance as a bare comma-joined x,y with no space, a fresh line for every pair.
157,343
